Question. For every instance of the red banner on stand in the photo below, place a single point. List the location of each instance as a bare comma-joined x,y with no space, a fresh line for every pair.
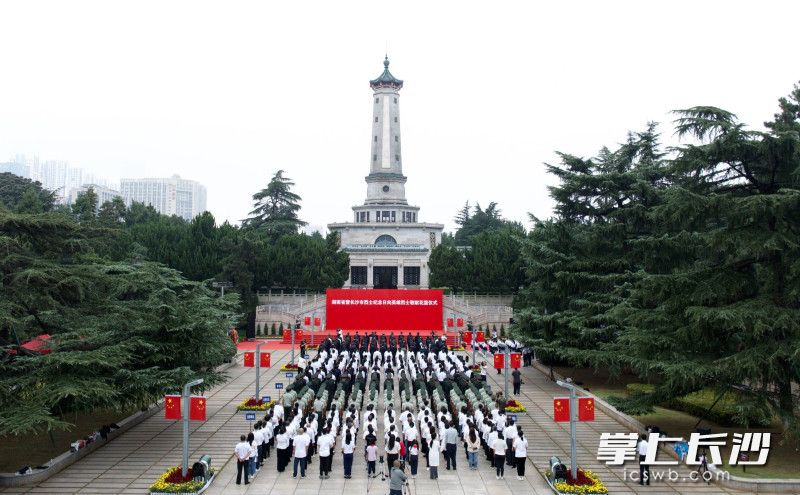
480,337
586,409
499,361
449,323
172,407
467,337
265,358
249,359
197,408
561,409
307,321
384,309
317,321
516,360
460,322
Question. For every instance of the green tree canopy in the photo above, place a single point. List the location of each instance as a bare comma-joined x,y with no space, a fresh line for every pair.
24,195
275,208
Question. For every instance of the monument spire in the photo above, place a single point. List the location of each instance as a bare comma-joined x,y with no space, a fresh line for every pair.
386,182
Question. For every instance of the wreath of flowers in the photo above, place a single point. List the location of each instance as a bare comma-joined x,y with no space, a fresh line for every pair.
586,483
253,404
173,482
289,367
514,406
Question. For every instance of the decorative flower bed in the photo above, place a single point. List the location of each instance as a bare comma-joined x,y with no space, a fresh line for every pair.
587,482
289,367
253,404
457,348
475,368
172,482
514,406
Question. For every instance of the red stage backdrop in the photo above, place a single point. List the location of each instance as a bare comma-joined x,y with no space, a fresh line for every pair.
383,309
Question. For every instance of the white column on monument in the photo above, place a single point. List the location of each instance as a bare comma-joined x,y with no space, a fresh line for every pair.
386,134
370,281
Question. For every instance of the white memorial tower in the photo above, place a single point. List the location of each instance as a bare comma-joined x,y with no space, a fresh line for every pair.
387,245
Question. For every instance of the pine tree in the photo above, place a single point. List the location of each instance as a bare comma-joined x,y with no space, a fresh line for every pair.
85,206
275,208
462,217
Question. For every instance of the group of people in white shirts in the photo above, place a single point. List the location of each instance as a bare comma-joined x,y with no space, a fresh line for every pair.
407,434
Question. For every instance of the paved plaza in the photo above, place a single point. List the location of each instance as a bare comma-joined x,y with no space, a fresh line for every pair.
130,463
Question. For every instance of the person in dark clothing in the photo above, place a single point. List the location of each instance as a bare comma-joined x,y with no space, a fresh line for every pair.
517,376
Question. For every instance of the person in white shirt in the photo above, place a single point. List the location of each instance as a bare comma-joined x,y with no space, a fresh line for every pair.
301,443
433,456
499,447
282,448
348,448
325,445
520,453
644,469
510,433
242,453
258,442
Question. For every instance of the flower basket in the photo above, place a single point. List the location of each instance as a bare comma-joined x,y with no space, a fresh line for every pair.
586,483
172,482
253,404
289,367
514,406
457,348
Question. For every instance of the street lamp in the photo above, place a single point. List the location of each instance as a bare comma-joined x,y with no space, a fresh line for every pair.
572,421
186,391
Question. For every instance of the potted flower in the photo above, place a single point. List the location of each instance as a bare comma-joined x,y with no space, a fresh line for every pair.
514,406
173,482
586,482
253,404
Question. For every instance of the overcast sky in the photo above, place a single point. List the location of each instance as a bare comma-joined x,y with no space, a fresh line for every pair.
227,93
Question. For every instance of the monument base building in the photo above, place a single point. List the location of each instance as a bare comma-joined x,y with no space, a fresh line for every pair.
388,247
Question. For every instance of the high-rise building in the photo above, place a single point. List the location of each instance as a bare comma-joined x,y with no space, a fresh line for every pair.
103,194
388,246
169,196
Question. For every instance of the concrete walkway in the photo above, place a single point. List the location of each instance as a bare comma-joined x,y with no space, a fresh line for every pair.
130,463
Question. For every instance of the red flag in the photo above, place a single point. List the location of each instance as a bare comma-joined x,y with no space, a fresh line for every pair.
307,320
561,409
516,360
499,361
317,321
460,322
480,337
265,357
586,409
449,322
287,335
467,336
172,407
249,359
298,335
197,408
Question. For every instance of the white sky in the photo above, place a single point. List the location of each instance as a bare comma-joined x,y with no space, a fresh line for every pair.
227,93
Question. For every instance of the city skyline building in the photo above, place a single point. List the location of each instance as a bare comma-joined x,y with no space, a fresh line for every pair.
388,246
169,196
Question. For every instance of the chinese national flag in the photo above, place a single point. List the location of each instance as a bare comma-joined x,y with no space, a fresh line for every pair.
467,336
586,409
561,409
265,357
307,320
499,361
249,359
316,321
480,337
172,407
516,360
449,322
197,408
460,322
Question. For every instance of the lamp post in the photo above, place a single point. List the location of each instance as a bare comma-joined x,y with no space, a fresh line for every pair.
258,369
186,391
572,423
506,358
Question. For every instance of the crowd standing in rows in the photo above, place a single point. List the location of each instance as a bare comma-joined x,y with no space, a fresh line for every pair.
347,362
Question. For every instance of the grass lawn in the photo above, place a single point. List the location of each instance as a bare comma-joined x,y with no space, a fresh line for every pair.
35,449
784,455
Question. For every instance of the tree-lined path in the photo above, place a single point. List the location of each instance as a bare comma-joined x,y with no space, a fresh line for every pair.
130,463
